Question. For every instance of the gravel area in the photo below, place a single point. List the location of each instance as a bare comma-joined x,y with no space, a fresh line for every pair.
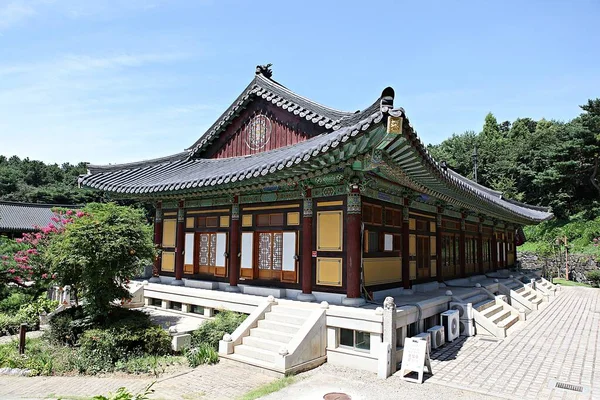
362,385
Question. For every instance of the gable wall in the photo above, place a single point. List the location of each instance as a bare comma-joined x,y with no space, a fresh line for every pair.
286,129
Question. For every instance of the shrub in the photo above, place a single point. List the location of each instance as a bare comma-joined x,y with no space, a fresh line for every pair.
14,302
594,277
68,325
212,331
203,354
40,357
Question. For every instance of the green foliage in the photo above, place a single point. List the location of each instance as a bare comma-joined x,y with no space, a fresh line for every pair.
580,233
212,331
203,354
13,302
35,182
28,313
546,163
593,277
100,252
40,357
68,325
123,394
268,388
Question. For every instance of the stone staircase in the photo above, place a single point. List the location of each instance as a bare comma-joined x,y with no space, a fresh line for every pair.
283,338
492,315
523,296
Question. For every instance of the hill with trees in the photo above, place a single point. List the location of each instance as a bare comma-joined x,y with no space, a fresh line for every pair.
544,163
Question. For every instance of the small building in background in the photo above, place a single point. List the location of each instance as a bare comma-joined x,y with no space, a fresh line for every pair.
18,218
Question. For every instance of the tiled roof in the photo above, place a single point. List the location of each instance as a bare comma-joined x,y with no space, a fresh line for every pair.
345,135
24,217
184,173
280,96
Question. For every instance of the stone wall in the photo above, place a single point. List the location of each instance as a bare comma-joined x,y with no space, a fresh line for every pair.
579,264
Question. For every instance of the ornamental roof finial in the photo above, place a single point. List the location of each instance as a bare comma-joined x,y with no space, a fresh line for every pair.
264,70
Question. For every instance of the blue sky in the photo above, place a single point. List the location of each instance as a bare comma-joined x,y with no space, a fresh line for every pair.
118,81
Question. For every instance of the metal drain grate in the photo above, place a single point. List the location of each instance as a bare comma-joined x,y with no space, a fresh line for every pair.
568,386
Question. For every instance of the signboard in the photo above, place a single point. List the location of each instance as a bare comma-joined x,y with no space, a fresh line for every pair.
415,358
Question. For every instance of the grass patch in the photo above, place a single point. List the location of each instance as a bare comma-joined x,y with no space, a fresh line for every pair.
269,388
565,282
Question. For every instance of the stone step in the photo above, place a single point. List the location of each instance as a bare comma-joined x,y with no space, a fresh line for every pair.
495,309
478,298
268,334
278,326
262,343
520,290
285,318
258,354
297,312
508,322
526,295
498,317
484,305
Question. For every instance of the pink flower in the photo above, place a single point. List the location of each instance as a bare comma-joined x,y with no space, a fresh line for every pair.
53,276
12,270
44,276
80,214
19,240
69,212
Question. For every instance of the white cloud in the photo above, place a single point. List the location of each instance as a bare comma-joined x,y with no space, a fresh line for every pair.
13,13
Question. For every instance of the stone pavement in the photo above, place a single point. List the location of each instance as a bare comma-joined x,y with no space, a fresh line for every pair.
225,380
560,343
29,335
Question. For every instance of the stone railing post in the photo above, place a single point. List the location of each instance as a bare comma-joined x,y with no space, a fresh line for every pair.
389,331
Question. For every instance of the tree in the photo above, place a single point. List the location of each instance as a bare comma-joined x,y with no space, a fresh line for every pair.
98,253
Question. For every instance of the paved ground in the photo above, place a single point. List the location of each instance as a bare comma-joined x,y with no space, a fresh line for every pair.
560,343
29,335
225,380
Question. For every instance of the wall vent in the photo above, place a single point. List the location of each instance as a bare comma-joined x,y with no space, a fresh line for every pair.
569,386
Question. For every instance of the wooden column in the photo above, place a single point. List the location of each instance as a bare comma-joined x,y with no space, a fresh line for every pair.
234,247
494,250
405,246
438,244
307,249
353,248
480,245
158,228
462,260
514,232
179,245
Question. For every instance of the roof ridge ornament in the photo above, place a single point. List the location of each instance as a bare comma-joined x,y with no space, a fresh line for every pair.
264,70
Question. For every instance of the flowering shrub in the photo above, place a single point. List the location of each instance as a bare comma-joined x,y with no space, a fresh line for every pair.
22,261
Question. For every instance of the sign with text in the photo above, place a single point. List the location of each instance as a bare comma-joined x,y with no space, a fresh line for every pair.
415,358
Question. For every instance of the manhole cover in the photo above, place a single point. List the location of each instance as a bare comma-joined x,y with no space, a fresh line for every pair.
337,396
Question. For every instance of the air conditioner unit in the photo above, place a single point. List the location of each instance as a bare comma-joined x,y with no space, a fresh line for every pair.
467,327
437,336
465,310
450,321
427,337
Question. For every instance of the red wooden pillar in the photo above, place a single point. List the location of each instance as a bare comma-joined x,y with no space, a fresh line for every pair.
353,248
480,245
179,245
438,245
234,247
158,228
514,236
405,246
462,260
494,250
307,248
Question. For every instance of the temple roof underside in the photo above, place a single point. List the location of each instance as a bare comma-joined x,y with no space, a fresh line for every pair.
359,144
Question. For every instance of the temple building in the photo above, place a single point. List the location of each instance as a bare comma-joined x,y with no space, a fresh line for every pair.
284,192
